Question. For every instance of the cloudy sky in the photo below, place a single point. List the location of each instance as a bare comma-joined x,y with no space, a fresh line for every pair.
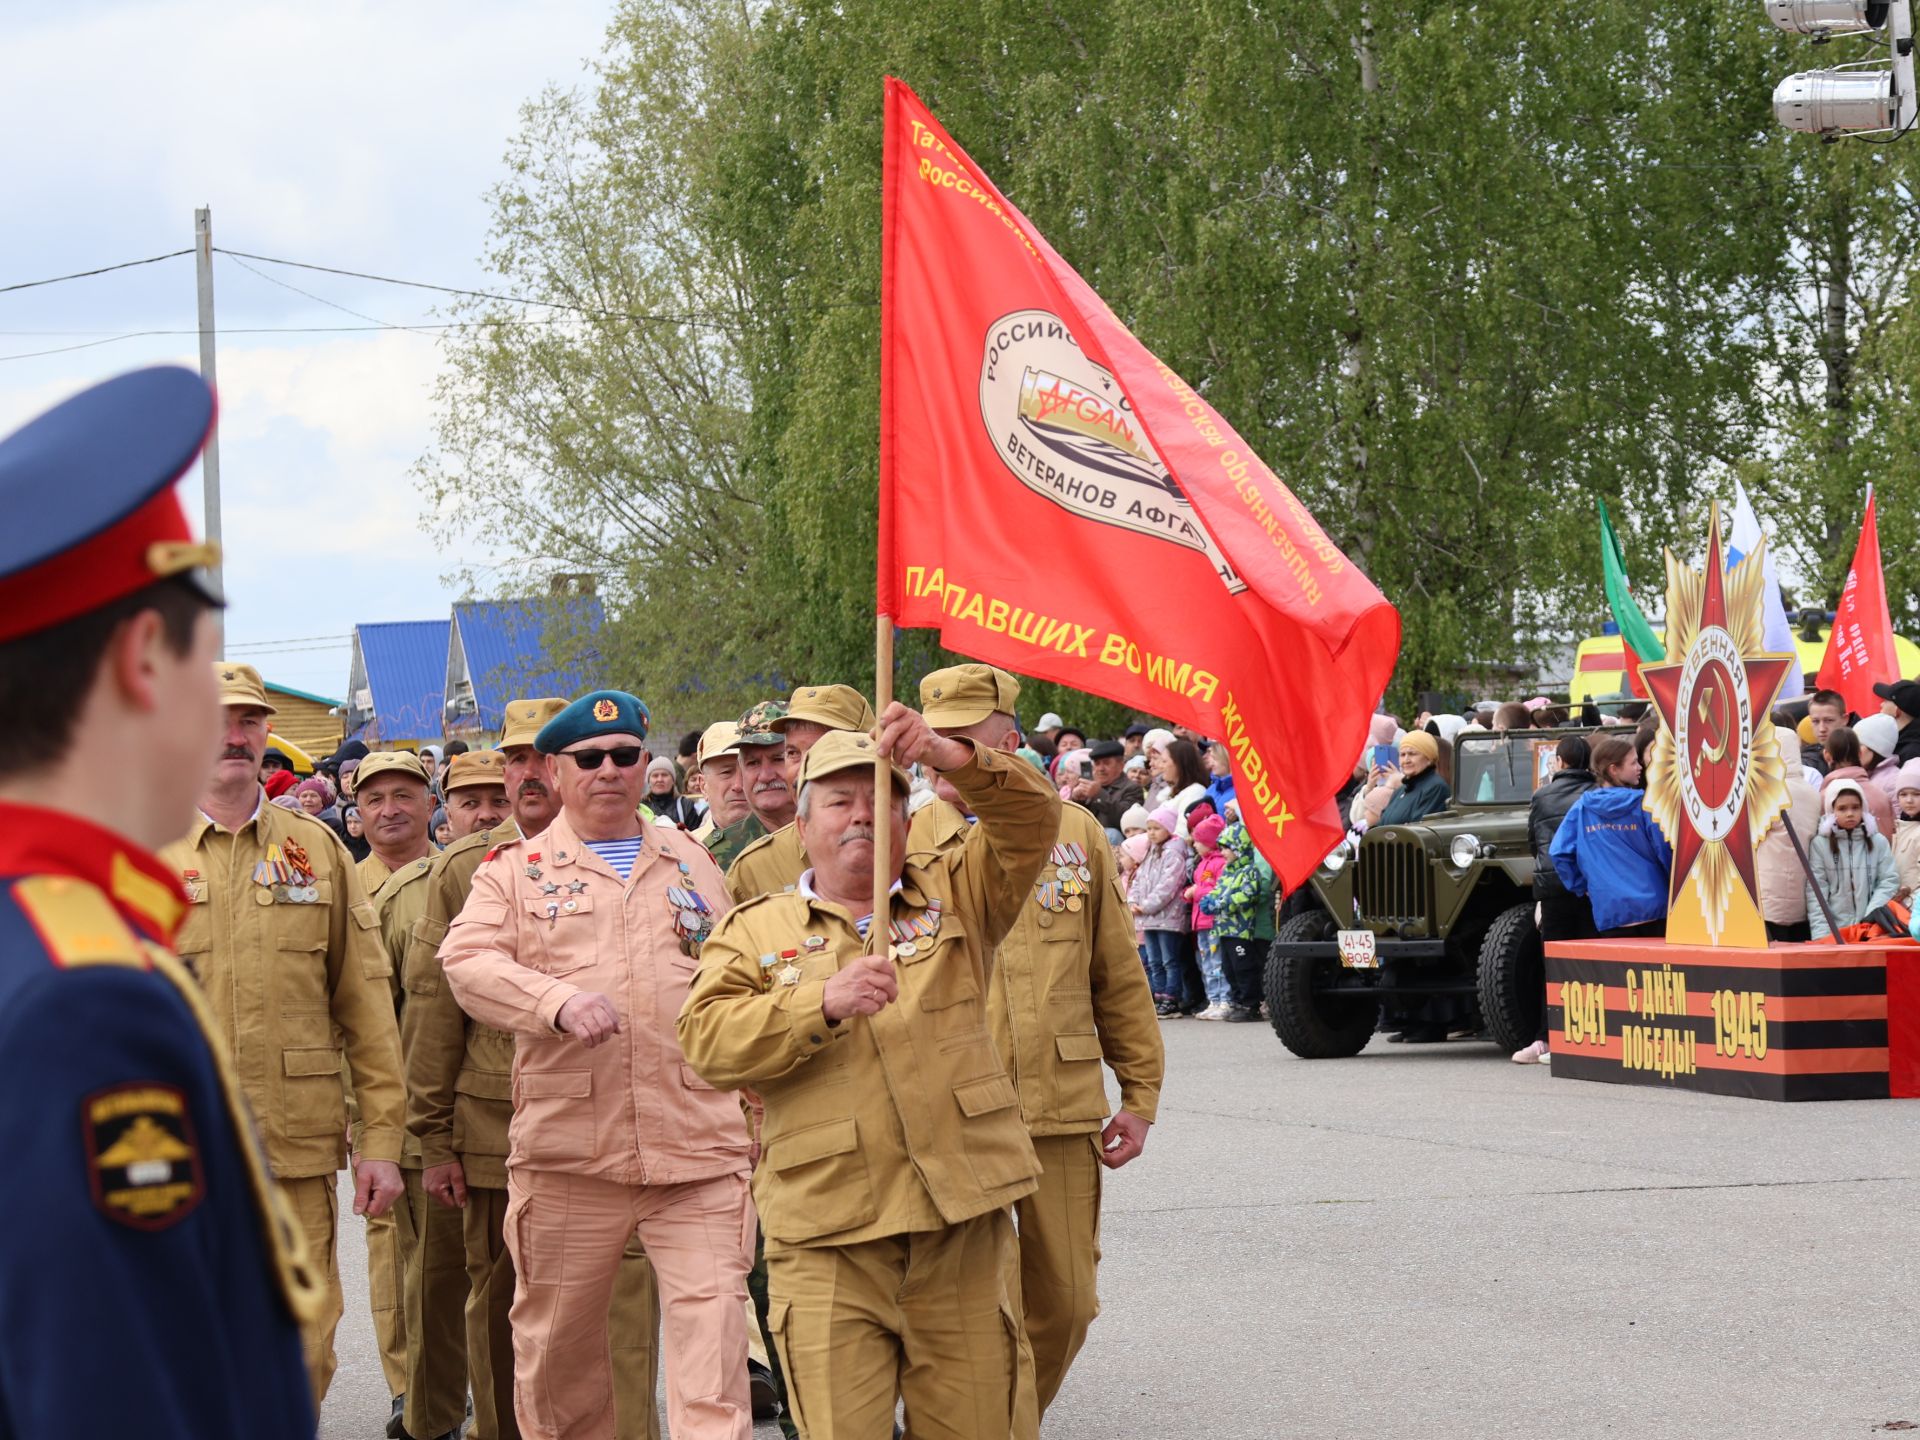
350,134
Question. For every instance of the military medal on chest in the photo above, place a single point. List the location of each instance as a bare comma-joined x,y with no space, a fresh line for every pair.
1065,880
907,934
692,912
195,887
287,873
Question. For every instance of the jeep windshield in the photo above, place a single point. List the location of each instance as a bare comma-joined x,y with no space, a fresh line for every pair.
1503,769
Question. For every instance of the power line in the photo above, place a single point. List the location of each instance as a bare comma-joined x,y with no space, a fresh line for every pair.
104,269
293,330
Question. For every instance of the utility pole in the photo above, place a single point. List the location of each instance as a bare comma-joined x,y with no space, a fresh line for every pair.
209,457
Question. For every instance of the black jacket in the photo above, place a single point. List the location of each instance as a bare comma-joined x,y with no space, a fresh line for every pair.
1907,747
1551,802
1114,801
1814,757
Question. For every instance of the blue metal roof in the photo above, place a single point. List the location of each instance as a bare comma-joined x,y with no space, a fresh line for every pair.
407,672
505,644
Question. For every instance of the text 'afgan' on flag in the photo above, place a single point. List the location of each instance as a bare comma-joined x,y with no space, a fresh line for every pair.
1055,499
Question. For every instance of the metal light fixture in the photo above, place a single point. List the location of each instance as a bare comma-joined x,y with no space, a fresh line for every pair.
1870,95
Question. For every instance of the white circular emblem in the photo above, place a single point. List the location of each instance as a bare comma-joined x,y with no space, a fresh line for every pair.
1067,431
1713,738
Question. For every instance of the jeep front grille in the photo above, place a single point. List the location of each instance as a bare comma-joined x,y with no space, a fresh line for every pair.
1390,880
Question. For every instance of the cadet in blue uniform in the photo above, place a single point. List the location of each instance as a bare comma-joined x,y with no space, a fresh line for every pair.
152,1282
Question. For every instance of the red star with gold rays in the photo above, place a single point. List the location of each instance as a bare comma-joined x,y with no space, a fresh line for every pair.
1763,679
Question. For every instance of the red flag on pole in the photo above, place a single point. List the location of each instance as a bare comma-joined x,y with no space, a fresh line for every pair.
1056,500
1860,646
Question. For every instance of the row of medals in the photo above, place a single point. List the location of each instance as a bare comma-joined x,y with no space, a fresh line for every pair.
287,872
1067,883
691,912
906,935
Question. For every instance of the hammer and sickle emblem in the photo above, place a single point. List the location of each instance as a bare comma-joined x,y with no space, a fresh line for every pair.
1715,750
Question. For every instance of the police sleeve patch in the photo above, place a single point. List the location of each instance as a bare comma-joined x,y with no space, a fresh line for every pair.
143,1161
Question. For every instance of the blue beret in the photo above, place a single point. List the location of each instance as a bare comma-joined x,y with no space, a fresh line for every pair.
603,712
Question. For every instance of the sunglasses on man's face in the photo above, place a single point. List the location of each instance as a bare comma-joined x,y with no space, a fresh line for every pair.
624,756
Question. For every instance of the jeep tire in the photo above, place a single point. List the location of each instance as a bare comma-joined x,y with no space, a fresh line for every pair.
1314,1027
1513,979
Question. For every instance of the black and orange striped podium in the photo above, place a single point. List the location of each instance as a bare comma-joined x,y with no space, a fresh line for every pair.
1790,1022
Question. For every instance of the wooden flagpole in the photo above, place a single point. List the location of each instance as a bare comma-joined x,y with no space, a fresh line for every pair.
883,790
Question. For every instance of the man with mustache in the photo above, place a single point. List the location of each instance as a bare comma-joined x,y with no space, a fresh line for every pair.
582,941
152,1279
893,1143
286,946
459,1107
762,755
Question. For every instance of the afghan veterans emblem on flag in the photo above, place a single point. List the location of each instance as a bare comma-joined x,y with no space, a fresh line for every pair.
1056,500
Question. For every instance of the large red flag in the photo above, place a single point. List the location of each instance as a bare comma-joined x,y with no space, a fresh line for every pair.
1860,646
1056,500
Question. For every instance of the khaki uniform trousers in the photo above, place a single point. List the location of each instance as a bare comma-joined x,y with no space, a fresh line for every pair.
1059,1247
634,1319
565,1235
930,1316
316,1205
417,1288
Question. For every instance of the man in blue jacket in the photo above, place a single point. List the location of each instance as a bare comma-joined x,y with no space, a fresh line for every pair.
152,1281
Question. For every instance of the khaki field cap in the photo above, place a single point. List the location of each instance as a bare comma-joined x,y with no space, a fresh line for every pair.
476,767
524,719
839,750
241,685
963,695
715,741
838,707
383,762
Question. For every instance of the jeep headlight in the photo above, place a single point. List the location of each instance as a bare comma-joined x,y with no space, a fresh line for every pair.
1338,857
1464,850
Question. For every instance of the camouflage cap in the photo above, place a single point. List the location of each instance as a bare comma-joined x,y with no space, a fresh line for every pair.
839,750
963,695
383,762
838,707
525,718
758,725
476,767
716,740
241,685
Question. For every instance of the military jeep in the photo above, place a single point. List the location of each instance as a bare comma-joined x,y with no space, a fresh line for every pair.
1442,907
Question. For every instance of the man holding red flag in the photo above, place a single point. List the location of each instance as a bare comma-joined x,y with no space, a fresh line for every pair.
1011,397
1860,654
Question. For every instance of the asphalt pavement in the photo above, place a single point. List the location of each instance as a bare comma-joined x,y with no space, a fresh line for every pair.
1432,1241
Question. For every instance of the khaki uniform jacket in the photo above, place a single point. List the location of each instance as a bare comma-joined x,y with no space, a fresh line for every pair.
399,902
899,1121
1068,988
773,862
459,1072
287,981
630,1110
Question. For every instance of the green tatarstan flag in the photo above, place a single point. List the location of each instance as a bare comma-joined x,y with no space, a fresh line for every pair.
1642,644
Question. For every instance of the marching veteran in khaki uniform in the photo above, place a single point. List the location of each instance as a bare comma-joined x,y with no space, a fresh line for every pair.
893,1140
1067,991
393,789
775,861
459,1106
287,948
583,941
720,784
433,1280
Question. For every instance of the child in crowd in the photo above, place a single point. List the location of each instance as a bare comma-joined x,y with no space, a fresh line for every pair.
1243,909
1906,826
1130,853
1852,863
1206,875
1133,821
1157,901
